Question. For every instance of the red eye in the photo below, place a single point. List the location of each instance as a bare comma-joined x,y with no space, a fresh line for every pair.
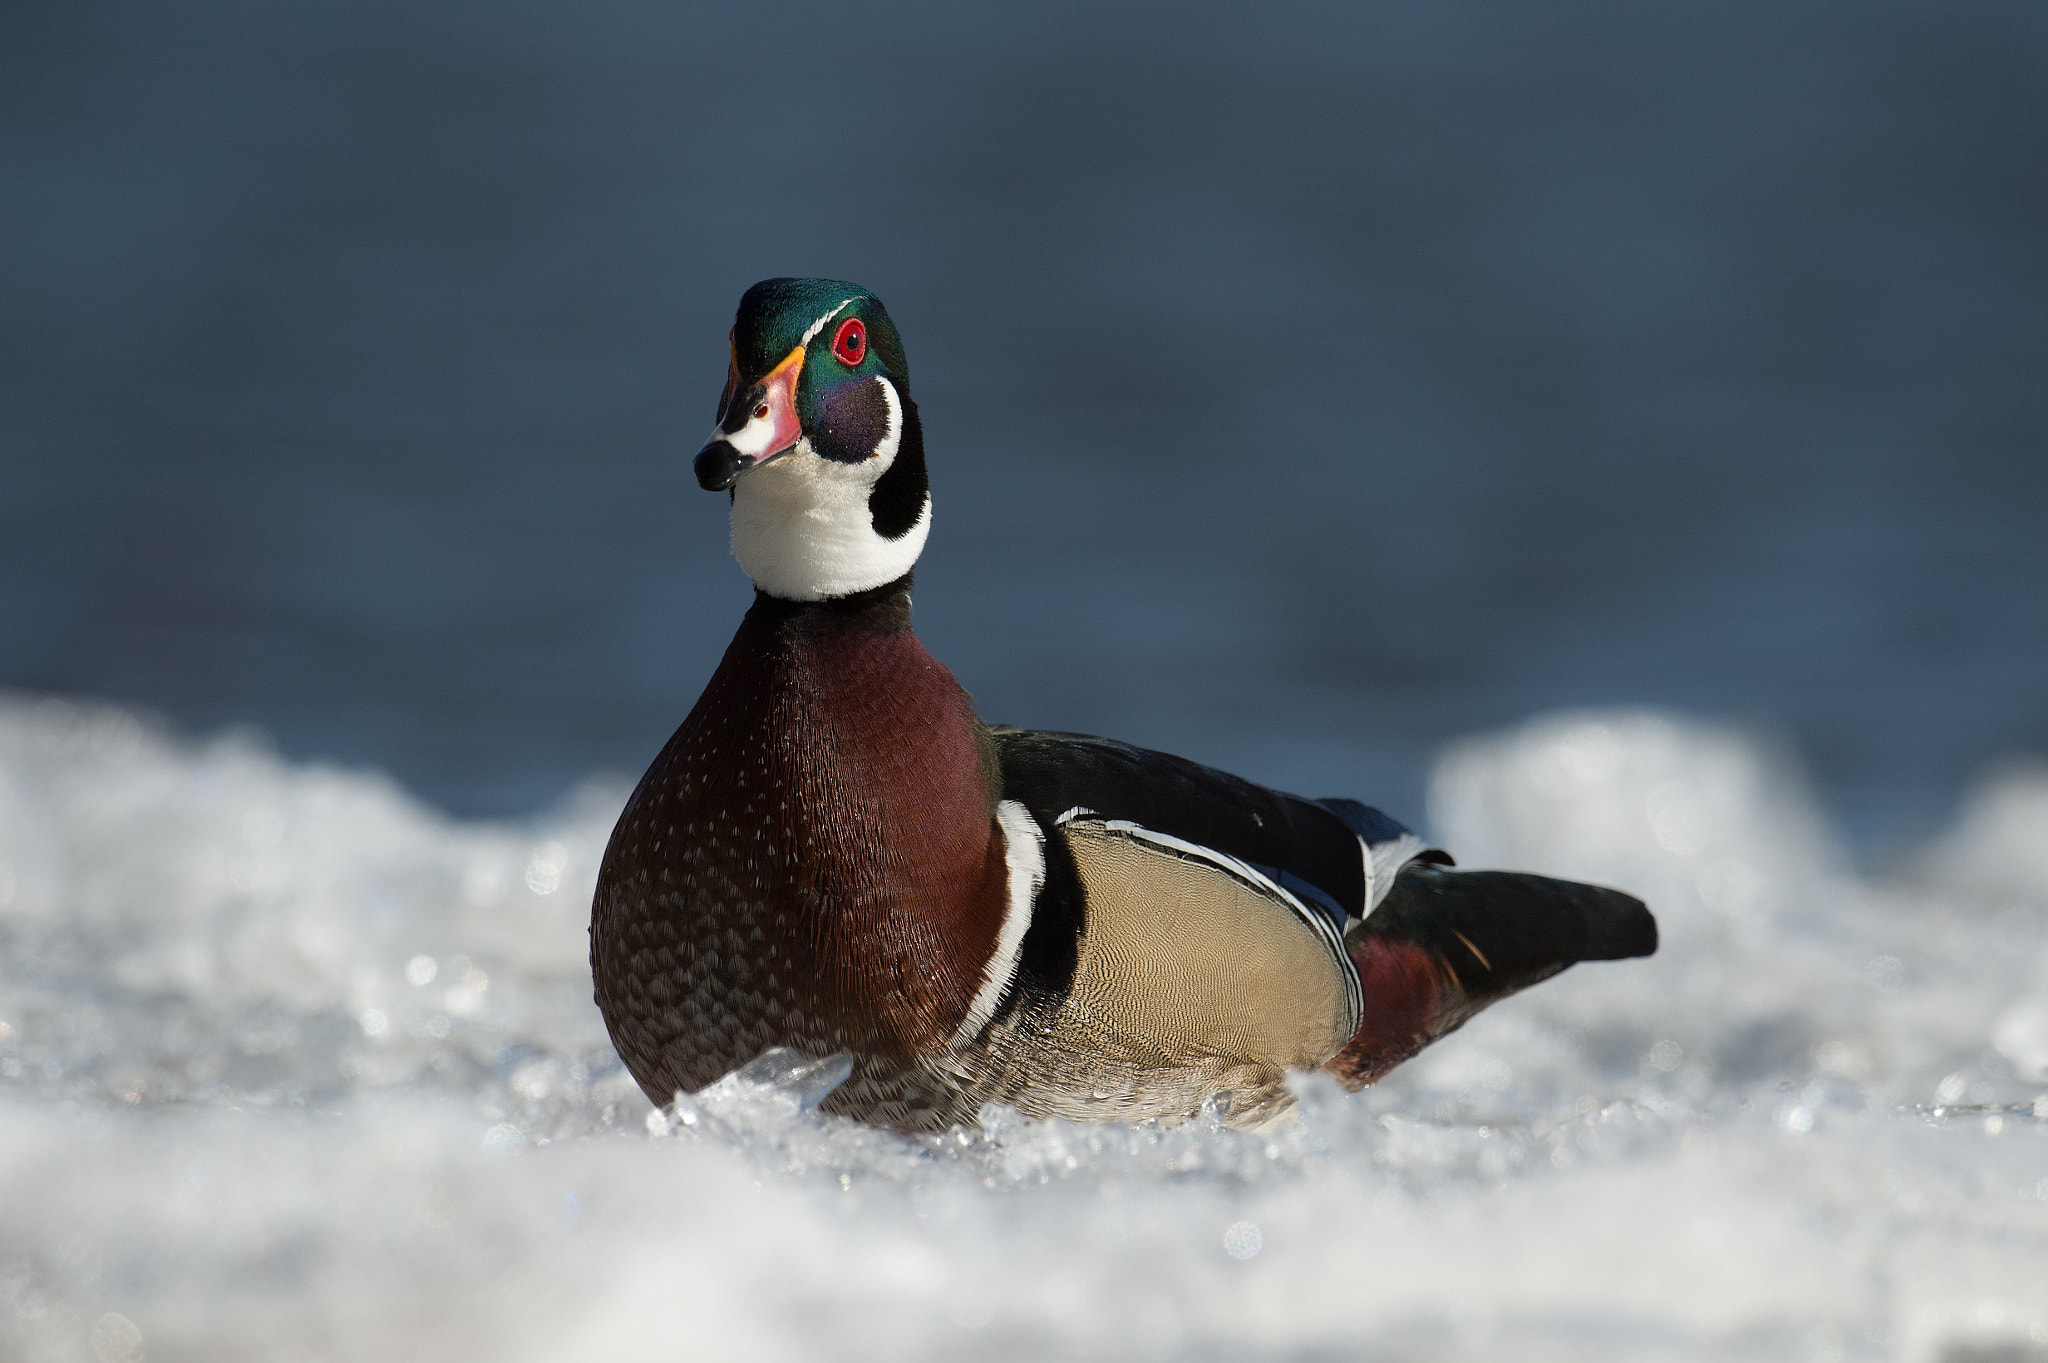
850,342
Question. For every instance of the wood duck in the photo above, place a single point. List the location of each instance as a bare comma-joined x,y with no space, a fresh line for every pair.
834,854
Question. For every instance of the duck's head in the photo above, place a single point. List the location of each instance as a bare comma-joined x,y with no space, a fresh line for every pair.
818,442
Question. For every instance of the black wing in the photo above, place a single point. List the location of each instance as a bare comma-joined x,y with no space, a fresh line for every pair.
1309,847
1309,840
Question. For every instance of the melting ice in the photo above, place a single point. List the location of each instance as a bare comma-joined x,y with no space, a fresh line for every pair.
292,1067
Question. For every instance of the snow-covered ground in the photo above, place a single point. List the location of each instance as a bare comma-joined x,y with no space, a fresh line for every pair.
292,1067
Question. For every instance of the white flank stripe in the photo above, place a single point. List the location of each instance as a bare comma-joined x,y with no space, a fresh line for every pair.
1024,852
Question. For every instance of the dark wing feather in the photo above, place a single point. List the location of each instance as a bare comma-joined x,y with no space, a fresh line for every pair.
1445,944
1052,773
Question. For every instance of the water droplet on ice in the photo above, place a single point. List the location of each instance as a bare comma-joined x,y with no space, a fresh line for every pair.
115,1339
1243,1240
544,871
1822,1344
2021,1036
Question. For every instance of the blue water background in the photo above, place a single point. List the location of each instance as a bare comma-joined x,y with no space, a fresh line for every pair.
1304,386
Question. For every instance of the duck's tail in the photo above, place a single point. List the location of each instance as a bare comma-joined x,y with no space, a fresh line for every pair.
1444,944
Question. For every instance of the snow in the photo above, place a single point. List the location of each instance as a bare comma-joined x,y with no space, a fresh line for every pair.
293,1067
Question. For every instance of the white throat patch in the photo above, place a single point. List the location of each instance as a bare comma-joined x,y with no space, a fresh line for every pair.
802,529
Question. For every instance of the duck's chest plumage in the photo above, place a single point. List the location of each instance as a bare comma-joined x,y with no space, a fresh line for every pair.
812,861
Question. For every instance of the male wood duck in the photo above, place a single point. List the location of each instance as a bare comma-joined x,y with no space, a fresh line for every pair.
834,854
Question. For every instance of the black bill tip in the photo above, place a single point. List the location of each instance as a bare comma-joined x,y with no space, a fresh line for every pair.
719,466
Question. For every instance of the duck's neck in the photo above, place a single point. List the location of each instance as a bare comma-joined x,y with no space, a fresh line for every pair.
878,613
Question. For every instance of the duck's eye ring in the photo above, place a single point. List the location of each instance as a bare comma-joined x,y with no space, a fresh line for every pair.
850,342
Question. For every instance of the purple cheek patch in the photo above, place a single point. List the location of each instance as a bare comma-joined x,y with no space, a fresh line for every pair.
853,421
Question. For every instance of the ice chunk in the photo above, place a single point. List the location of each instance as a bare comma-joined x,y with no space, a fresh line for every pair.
780,1072
1998,847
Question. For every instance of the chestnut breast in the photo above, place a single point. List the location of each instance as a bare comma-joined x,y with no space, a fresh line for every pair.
813,859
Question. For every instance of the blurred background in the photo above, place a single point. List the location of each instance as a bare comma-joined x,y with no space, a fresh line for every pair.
1306,388
1303,387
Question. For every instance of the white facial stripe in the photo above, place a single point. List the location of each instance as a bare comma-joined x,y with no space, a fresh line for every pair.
1024,854
893,441
819,325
